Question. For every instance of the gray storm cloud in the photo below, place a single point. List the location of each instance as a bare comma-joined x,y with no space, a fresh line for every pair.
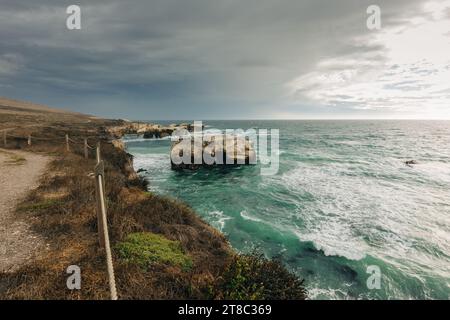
191,59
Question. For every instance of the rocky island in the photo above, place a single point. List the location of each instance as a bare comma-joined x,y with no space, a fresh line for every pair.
193,152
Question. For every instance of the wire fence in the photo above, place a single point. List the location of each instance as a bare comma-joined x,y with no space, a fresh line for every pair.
100,192
65,140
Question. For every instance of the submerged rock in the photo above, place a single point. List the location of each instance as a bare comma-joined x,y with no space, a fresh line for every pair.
410,162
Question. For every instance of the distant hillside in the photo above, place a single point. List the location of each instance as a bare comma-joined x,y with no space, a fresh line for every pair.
20,114
10,104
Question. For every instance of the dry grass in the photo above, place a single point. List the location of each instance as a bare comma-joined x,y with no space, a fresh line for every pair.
69,225
13,159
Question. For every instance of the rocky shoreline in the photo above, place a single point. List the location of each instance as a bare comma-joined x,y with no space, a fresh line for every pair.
147,130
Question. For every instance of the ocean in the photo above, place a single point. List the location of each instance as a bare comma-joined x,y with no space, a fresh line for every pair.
342,202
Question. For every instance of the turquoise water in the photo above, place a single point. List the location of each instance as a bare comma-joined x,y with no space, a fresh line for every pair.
343,200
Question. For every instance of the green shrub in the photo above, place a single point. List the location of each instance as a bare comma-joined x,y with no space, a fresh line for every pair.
145,248
253,277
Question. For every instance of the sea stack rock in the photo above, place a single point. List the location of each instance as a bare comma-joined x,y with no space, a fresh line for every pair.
193,152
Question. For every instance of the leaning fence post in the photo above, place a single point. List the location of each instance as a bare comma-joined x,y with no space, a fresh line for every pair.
98,152
29,140
86,154
103,225
67,143
99,170
99,159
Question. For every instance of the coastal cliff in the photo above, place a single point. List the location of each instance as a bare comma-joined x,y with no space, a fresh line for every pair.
161,248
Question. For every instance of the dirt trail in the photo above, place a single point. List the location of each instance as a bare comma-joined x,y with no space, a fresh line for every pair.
19,173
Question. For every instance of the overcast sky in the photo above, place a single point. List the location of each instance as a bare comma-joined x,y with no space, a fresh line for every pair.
229,59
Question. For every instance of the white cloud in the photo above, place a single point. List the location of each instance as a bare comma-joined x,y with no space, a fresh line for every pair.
9,64
407,69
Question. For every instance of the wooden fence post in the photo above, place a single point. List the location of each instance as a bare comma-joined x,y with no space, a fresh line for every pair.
4,138
99,170
98,152
29,140
67,143
99,159
86,153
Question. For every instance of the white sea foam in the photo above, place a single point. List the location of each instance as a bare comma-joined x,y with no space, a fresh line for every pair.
328,224
354,215
150,161
220,219
133,140
246,216
157,168
330,293
330,246
145,139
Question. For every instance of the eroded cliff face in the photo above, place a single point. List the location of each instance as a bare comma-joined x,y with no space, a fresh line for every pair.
127,160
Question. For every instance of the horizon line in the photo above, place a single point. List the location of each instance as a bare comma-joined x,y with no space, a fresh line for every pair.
299,119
